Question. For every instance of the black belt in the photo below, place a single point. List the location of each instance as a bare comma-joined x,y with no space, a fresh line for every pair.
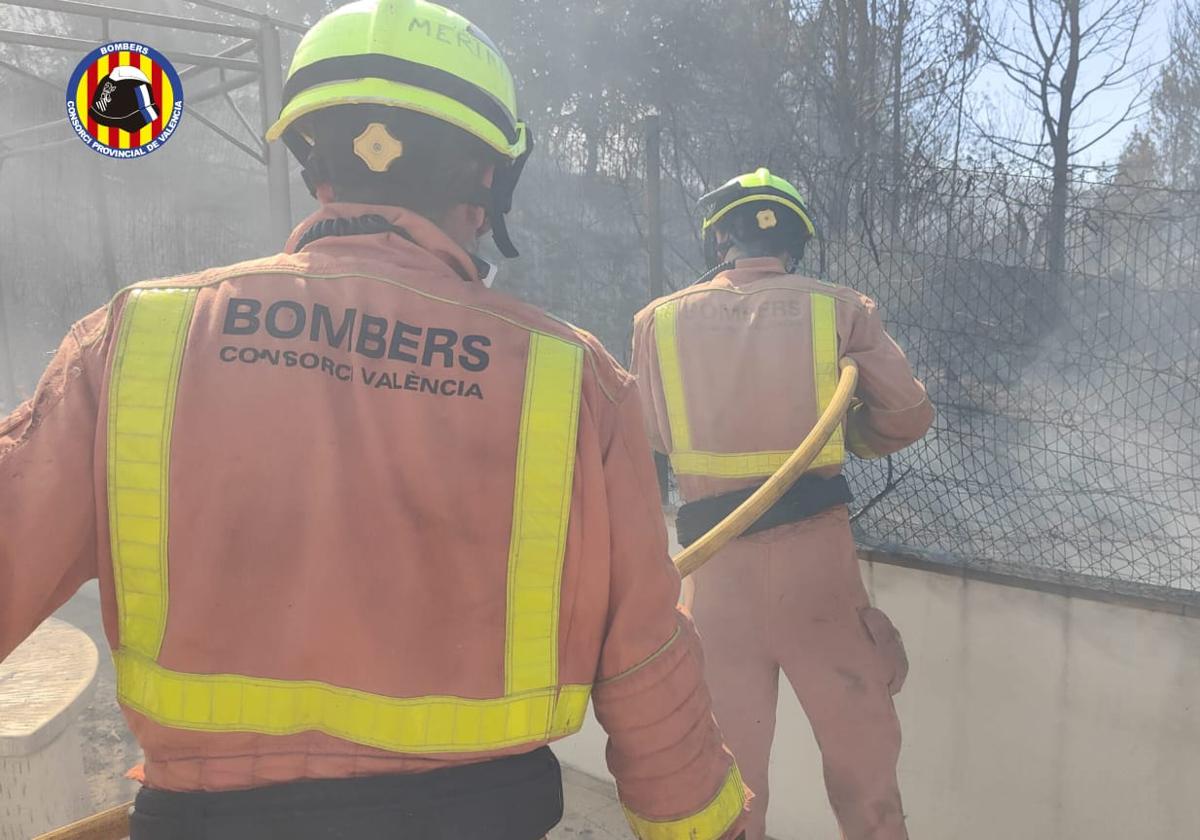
517,798
809,496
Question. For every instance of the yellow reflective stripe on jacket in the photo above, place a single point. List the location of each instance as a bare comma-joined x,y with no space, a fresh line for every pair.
709,824
141,413
667,340
232,703
541,509
733,465
825,373
142,388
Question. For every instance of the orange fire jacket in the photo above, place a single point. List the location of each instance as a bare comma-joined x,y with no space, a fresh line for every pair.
735,372
354,513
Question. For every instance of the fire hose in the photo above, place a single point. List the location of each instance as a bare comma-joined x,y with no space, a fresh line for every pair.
113,824
736,523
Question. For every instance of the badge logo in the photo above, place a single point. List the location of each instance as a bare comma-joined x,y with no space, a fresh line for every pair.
124,100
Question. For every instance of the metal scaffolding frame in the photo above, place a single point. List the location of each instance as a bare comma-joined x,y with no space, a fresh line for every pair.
256,33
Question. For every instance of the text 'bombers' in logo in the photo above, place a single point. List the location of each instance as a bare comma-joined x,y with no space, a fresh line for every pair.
124,100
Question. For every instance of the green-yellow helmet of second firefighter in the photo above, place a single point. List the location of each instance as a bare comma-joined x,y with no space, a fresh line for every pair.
756,186
409,54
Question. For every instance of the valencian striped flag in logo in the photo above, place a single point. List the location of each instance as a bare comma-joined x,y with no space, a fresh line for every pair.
124,100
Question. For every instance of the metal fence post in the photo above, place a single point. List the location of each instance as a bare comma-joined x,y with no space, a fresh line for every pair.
654,247
8,365
271,97
654,238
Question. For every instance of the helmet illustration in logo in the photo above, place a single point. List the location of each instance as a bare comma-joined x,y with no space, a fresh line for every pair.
124,99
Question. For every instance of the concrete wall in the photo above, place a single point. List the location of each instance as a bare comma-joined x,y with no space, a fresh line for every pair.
1026,715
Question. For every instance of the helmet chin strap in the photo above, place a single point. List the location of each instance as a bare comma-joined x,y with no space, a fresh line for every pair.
723,250
504,184
715,253
713,272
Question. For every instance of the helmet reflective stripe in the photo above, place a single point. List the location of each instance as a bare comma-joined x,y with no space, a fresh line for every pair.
761,196
393,69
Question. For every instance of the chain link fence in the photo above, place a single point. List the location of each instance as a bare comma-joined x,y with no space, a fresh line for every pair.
1067,403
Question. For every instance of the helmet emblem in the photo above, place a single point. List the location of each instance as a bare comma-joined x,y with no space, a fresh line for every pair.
377,148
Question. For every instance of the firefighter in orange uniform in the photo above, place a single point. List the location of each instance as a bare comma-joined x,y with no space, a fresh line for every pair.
734,371
369,534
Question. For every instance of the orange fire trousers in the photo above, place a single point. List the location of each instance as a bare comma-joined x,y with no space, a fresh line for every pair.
792,598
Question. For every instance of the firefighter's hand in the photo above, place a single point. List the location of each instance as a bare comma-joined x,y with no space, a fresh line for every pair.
687,594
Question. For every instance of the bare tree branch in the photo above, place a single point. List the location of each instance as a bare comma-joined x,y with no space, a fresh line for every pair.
1006,143
1120,121
1047,55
